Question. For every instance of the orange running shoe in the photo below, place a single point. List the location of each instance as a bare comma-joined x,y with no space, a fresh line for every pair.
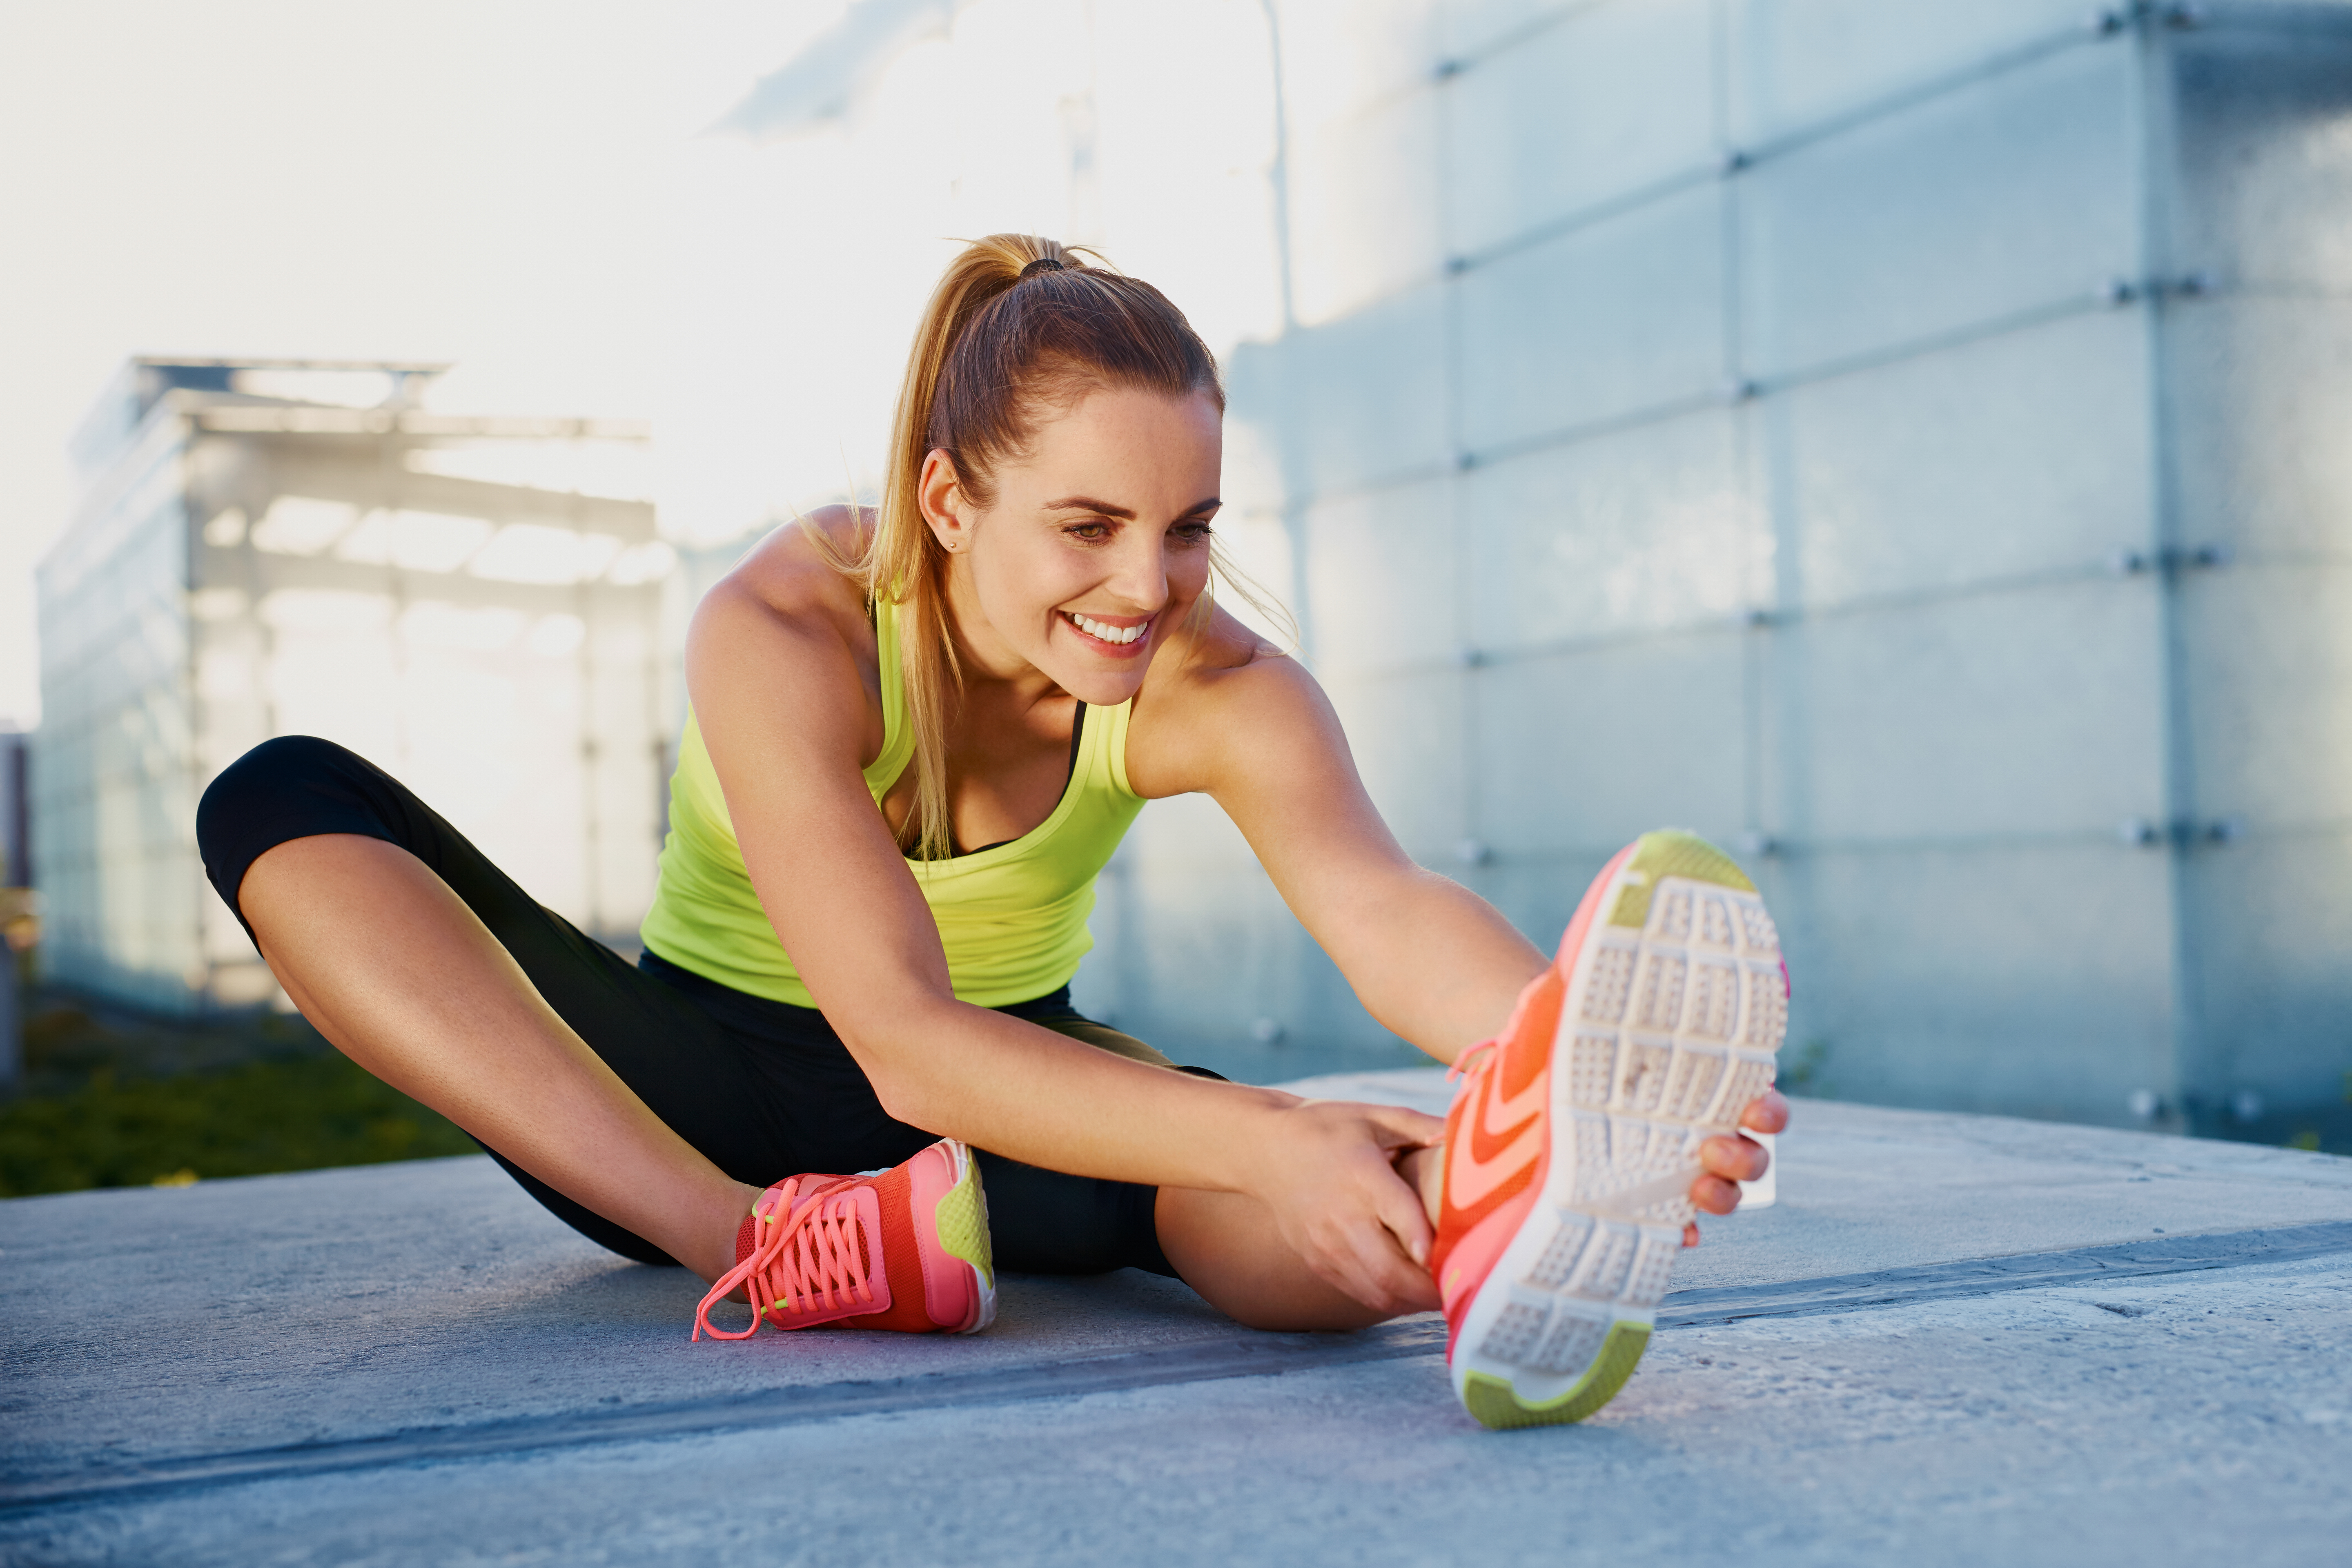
905,1248
1572,1142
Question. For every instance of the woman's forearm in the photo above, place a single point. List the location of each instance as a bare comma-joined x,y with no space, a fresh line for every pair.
1436,964
1429,960
1030,1094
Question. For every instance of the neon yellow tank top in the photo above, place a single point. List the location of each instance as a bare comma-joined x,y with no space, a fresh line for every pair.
1013,918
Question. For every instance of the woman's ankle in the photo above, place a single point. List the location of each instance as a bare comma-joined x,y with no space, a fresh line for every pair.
718,1255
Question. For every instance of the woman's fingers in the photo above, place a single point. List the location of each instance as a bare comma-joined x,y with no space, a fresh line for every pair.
1361,1227
1734,1158
1404,1220
1402,1129
1724,1163
1383,1279
1715,1195
1402,1214
1386,1264
1767,1113
1363,1262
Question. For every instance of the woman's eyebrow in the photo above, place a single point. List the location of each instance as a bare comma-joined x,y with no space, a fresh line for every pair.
1104,508
1088,503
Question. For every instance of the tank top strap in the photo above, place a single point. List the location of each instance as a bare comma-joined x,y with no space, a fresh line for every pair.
898,735
1104,763
1102,744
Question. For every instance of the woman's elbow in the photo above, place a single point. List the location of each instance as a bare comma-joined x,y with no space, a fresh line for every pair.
888,1056
905,1101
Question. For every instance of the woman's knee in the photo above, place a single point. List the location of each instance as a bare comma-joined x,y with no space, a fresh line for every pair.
265,780
295,786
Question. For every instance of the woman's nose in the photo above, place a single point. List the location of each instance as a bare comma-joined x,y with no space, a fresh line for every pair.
1143,576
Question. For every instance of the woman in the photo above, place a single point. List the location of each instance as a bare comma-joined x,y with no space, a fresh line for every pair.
916,736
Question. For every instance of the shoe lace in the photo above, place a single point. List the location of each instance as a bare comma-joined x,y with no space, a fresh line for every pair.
811,1256
1469,1060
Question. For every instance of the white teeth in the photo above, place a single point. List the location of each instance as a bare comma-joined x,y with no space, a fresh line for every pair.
1093,628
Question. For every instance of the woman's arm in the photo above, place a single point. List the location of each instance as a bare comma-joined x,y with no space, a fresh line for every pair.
771,662
1431,960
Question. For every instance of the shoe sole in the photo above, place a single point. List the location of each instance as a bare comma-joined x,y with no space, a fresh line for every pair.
1672,1013
962,1224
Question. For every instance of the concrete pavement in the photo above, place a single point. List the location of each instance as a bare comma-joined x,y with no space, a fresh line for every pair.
414,1364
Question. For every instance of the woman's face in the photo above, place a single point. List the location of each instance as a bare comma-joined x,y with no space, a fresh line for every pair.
1095,546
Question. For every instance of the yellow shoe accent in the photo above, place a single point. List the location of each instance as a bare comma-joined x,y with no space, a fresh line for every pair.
1498,1407
1672,852
963,1221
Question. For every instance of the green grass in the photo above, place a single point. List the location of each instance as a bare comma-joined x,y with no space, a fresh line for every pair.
117,1101
295,1115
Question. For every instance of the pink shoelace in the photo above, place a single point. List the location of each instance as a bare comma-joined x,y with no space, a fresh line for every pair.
809,1257
1468,1062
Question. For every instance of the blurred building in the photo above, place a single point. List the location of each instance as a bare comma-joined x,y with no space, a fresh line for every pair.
266,548
1905,440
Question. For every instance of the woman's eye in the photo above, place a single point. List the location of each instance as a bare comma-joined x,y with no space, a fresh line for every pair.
1089,532
1192,532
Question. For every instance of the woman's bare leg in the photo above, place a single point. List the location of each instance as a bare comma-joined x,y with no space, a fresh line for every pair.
406,981
1226,1246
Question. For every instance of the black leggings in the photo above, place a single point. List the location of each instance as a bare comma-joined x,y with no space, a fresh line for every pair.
764,1089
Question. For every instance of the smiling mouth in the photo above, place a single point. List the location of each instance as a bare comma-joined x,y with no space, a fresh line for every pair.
1118,636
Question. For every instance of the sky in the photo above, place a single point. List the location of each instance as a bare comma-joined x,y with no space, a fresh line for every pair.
535,191
481,180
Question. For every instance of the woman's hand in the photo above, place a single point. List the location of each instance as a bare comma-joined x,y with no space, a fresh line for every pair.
1728,1162
1327,1171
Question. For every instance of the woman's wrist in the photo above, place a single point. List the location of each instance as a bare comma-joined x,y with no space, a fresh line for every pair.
1255,1139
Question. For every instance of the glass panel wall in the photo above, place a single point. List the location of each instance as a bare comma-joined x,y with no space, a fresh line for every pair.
1903,441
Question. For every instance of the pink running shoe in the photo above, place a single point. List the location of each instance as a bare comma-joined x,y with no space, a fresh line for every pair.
905,1248
1574,1139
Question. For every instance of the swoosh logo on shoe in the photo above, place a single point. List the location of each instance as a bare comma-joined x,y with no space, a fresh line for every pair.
1487,1159
1520,1110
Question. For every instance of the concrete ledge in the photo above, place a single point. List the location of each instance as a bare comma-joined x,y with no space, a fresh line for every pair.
415,1362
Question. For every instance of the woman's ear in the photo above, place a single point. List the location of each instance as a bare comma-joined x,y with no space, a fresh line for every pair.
942,500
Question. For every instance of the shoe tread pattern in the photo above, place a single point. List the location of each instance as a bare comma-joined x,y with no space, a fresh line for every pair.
1670,1034
1497,1405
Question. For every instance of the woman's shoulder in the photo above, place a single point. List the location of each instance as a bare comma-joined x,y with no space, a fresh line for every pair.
1214,655
1211,688
791,616
798,574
